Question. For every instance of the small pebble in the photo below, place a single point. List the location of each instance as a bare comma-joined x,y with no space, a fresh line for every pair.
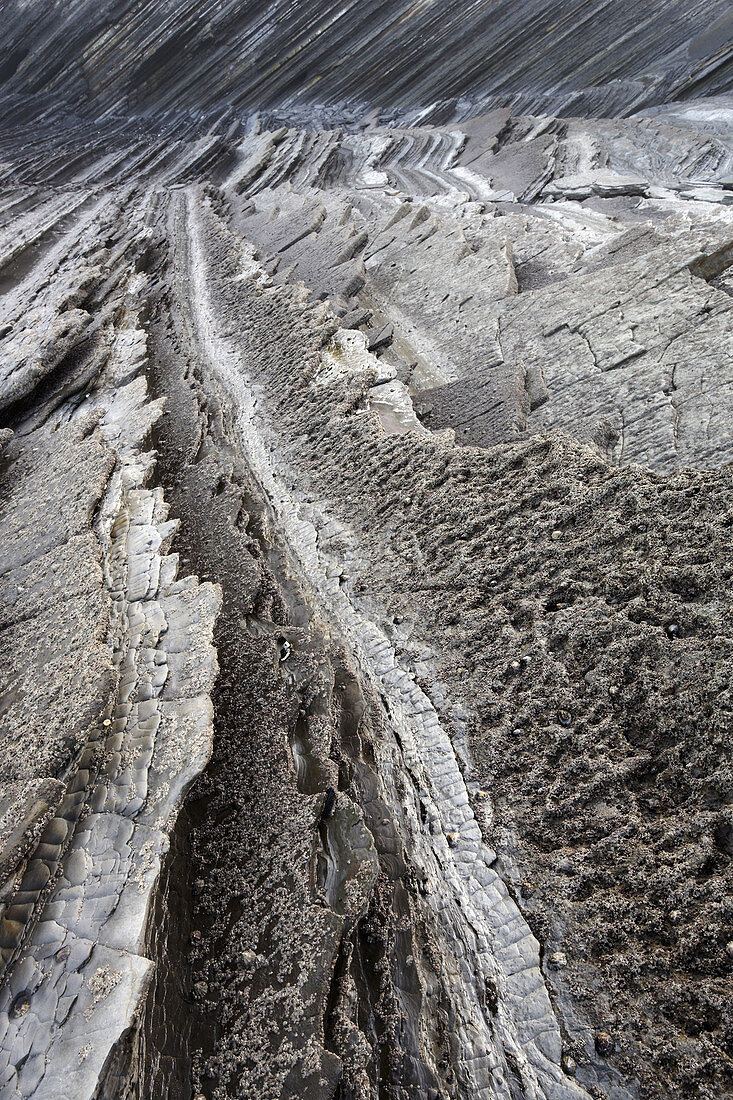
21,1004
672,630
452,838
604,1043
517,731
556,535
675,916
564,717
526,889
515,665
558,960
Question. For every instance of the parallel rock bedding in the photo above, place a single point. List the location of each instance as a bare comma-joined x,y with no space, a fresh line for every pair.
106,720
366,626
602,57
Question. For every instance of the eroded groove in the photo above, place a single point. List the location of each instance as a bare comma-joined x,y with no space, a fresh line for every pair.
415,732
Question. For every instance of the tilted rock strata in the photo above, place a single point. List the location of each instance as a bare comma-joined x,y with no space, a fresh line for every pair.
480,919
444,409
109,663
609,322
394,512
203,55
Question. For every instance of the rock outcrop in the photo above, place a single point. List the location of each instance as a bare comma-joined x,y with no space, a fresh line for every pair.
366,430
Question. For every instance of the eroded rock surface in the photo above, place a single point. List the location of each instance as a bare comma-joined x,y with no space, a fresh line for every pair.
365,509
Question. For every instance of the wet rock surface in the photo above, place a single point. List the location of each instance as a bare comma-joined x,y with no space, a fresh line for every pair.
365,512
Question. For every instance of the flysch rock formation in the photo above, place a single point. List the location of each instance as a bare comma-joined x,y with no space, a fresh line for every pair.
366,429
107,663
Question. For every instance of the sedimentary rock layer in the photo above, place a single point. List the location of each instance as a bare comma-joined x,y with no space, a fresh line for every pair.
107,664
602,57
365,512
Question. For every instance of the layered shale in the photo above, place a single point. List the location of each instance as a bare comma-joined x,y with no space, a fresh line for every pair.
366,413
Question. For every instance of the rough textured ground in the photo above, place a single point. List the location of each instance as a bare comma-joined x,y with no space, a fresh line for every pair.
366,619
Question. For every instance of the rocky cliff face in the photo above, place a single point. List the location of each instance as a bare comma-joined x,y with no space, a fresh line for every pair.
366,413
577,57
